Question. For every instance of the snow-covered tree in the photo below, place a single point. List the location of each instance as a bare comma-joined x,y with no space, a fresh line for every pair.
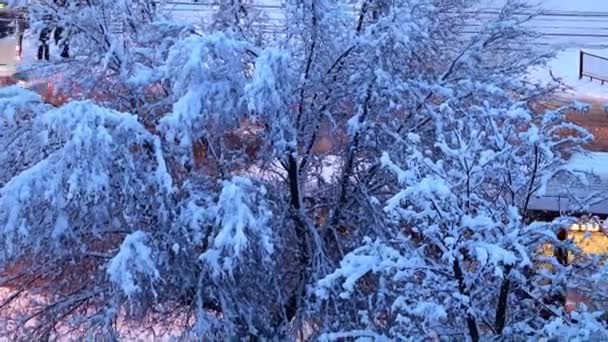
366,171
462,249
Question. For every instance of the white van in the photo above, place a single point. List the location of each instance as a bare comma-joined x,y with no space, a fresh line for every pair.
11,34
8,56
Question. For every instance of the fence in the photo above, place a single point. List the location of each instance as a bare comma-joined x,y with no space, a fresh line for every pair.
593,66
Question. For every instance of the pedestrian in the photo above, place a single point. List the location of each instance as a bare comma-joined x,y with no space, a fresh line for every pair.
60,35
62,42
43,47
20,32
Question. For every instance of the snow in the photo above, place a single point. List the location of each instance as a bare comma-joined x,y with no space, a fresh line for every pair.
374,256
594,6
12,195
589,330
14,100
61,225
593,162
240,225
581,107
236,216
269,78
354,124
201,12
402,175
79,170
579,5
478,222
226,222
355,335
565,66
206,86
494,254
572,26
430,311
133,257
593,166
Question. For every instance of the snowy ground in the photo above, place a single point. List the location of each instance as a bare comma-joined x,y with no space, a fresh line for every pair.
567,25
594,6
570,26
575,26
565,66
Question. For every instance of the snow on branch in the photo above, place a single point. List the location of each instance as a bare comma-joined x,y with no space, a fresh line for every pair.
242,220
207,78
91,158
134,260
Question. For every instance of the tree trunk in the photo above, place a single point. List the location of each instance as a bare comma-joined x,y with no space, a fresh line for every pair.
293,302
471,323
501,307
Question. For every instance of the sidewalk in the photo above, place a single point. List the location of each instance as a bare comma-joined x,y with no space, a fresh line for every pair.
596,120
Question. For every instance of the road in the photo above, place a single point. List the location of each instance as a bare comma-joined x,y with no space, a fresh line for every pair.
561,23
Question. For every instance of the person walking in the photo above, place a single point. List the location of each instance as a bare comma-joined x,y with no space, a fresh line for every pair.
43,47
60,34
20,33
62,42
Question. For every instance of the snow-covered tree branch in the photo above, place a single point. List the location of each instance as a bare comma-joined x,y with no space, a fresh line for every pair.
367,171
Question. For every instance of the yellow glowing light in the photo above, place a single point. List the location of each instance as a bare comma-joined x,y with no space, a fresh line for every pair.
594,243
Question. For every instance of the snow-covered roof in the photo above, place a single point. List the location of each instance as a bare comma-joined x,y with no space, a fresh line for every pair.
593,162
591,191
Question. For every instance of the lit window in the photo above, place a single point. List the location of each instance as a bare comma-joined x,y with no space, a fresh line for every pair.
589,224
